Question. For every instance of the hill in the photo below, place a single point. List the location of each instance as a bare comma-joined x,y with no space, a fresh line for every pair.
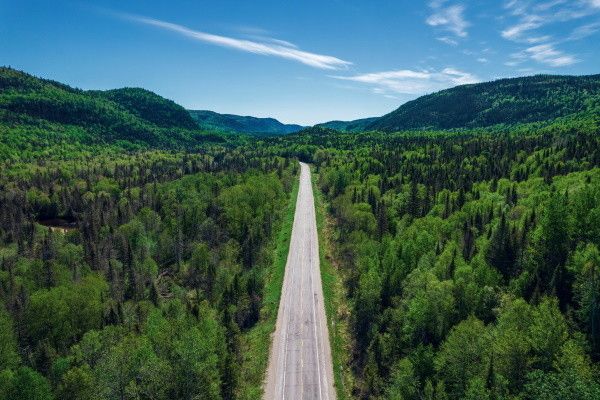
151,107
505,101
38,112
242,124
356,125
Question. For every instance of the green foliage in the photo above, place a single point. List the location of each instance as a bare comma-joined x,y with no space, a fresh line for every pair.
563,386
24,384
9,358
585,265
463,356
199,353
77,383
131,369
62,314
403,383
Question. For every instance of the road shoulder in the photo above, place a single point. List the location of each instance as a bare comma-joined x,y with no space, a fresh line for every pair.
336,308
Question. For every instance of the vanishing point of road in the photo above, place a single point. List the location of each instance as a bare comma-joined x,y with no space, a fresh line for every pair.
300,364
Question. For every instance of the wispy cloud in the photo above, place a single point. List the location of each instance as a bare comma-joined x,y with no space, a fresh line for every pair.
447,40
412,82
532,16
547,54
584,31
544,54
262,46
527,23
448,17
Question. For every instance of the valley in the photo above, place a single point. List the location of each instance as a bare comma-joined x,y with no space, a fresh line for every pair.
452,252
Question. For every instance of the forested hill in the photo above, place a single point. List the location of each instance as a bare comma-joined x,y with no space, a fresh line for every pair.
357,125
38,112
230,123
505,101
151,107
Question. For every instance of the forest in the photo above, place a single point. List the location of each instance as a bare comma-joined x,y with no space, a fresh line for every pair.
138,251
149,295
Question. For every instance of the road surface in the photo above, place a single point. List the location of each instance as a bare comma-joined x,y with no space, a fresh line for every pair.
300,358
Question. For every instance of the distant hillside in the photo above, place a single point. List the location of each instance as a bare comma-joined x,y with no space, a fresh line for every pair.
357,125
242,124
41,112
505,101
151,107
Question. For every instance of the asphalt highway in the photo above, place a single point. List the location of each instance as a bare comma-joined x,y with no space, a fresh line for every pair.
300,364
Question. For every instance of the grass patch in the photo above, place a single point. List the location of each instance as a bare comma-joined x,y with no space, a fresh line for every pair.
257,341
334,299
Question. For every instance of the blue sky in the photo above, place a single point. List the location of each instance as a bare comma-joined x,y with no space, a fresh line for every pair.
299,61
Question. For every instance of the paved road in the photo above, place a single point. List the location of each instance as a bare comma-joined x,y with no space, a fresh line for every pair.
300,359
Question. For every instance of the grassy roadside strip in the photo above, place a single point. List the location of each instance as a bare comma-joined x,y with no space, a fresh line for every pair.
257,341
334,298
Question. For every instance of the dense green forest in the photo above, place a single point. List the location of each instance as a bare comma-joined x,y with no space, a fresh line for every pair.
148,292
137,250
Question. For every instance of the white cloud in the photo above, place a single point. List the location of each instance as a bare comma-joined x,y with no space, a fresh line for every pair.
538,39
584,31
533,15
547,54
527,23
267,47
412,82
512,63
447,40
516,7
483,60
450,18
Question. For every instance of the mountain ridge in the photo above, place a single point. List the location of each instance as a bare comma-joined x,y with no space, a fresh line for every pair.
507,101
242,124
503,101
45,112
356,125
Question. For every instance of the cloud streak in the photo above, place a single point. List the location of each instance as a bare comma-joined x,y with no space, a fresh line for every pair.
412,82
532,16
584,31
527,23
450,18
544,54
264,46
547,54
